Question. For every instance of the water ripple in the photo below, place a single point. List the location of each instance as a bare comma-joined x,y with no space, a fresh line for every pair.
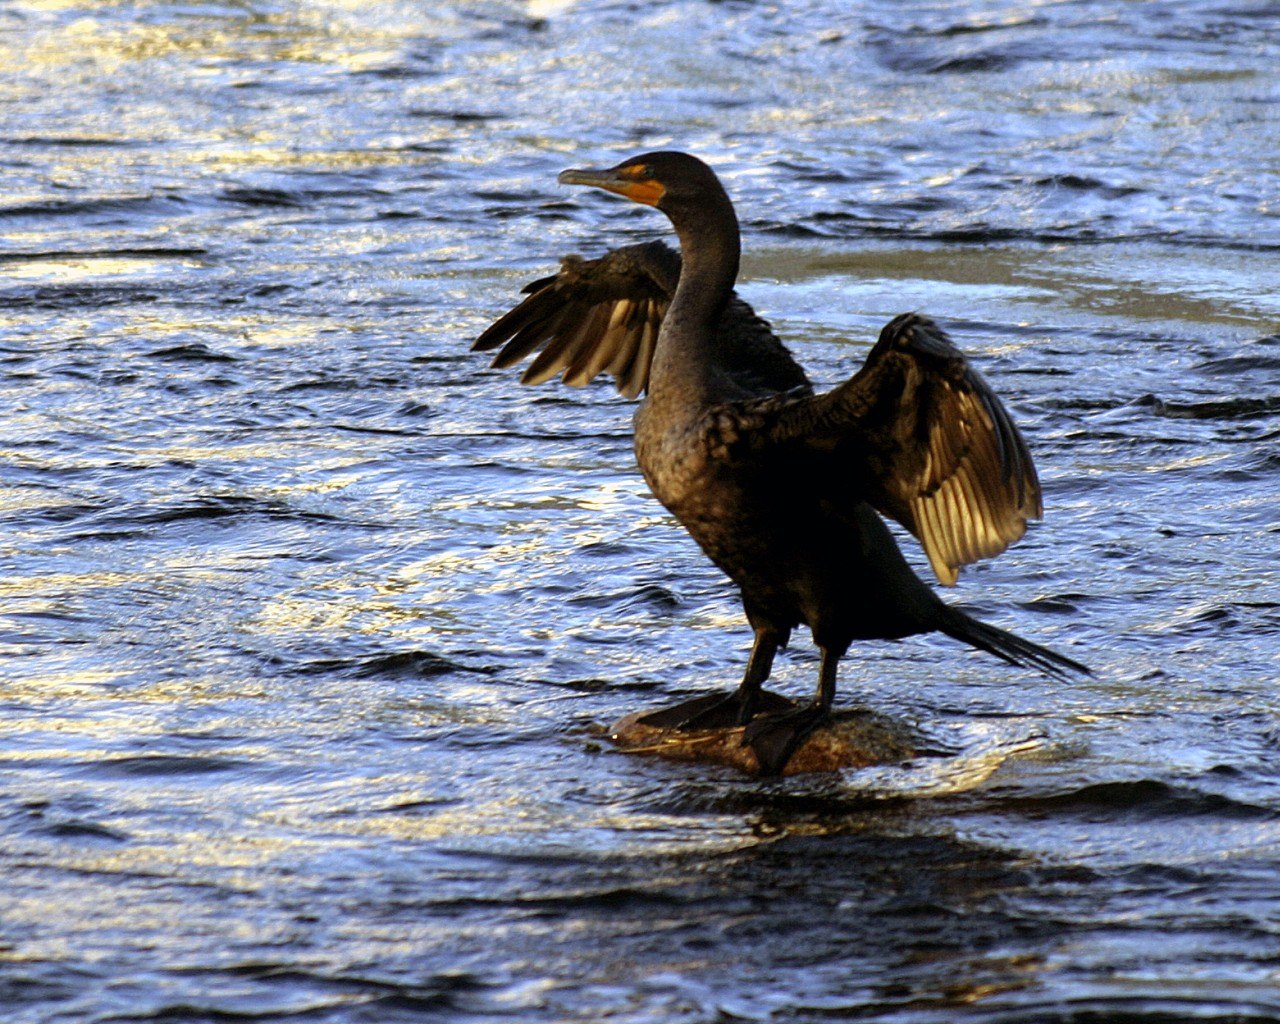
313,626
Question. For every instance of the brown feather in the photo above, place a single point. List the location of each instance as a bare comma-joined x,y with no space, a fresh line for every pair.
592,317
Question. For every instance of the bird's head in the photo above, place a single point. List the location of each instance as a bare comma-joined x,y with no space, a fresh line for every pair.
668,180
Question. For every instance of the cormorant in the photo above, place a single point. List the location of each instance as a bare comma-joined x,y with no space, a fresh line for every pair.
781,486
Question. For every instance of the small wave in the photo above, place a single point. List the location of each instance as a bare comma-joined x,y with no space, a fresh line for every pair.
821,174
1003,23
195,352
76,297
912,55
1257,354
146,765
66,513
73,141
400,71
1061,604
1265,462
321,383
606,549
263,197
136,252
1149,798
650,595
1143,1008
81,830
399,664
986,62
1224,409
1082,183
1249,618
220,506
456,116
437,993
120,521
575,900
83,207
1231,366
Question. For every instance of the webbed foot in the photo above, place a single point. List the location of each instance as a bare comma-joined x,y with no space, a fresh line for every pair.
716,711
775,737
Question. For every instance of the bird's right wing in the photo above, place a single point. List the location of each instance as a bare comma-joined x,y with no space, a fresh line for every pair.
918,433
594,316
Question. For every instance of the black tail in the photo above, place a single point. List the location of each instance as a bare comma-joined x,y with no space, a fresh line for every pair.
1009,647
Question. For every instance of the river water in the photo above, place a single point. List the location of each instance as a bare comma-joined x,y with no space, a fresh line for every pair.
311,623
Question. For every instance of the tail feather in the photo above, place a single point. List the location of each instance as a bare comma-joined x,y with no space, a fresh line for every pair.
1009,647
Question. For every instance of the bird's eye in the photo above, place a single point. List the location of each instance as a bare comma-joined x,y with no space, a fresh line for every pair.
645,172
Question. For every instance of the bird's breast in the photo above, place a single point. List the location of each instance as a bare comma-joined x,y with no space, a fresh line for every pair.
672,455
720,503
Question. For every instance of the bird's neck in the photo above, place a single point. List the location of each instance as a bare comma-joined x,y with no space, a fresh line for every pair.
709,251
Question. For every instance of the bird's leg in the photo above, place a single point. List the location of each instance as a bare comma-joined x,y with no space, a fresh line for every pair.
726,710
775,737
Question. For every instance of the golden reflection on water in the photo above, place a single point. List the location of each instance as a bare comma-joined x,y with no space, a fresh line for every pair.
516,818
23,498
227,158
54,686
85,268
216,130
370,606
64,583
315,33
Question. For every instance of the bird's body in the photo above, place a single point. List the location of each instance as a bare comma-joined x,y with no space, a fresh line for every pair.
781,487
800,547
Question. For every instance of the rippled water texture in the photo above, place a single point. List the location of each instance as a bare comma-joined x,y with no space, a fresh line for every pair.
311,622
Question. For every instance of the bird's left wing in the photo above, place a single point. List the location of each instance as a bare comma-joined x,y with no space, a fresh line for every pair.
918,433
594,316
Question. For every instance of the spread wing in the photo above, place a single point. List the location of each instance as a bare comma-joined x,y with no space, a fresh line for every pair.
919,434
594,316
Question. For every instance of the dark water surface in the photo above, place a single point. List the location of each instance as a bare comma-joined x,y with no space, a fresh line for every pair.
311,622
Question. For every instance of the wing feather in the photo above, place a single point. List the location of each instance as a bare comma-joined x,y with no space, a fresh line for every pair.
594,316
570,337
610,347
633,378
528,327
920,435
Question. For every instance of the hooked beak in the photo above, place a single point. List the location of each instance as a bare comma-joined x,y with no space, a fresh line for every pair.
624,181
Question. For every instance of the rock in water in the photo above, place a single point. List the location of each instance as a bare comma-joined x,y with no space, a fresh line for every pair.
851,739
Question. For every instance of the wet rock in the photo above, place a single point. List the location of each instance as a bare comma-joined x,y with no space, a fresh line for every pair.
853,738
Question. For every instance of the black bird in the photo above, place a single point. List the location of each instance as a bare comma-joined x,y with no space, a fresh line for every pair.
781,486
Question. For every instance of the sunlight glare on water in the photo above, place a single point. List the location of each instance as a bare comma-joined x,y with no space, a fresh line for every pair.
311,625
